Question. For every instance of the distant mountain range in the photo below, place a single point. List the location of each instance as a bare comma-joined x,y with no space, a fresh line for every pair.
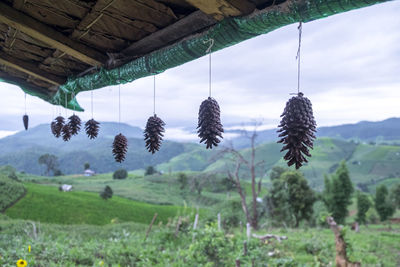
365,131
23,149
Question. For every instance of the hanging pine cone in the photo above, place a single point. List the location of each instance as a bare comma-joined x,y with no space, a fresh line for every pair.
153,133
66,132
57,125
209,126
25,119
74,124
92,128
120,147
297,130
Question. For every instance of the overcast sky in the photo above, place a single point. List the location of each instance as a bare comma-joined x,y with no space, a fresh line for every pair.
350,72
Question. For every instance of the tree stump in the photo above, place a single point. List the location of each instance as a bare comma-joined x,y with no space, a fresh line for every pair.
341,254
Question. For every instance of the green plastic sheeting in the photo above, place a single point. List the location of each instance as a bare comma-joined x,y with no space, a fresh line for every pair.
228,32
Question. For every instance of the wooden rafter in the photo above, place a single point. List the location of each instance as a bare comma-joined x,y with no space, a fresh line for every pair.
51,37
24,83
30,69
220,9
180,29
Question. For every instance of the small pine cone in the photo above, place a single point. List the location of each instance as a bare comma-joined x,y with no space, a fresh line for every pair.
209,126
153,133
66,132
92,128
57,125
25,119
297,130
120,147
74,124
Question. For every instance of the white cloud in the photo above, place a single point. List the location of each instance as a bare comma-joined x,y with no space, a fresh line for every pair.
6,133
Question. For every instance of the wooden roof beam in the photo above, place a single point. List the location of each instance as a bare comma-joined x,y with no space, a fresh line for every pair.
188,25
220,9
23,83
49,36
30,69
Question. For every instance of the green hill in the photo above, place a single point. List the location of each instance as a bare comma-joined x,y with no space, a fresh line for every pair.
366,162
47,204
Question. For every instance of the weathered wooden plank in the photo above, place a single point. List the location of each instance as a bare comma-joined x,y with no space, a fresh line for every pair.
180,29
30,69
23,83
50,36
220,9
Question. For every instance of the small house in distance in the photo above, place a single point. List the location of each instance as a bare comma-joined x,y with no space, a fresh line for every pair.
65,188
89,172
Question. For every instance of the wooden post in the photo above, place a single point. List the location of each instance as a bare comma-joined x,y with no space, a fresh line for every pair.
219,221
245,248
196,221
177,226
151,224
248,231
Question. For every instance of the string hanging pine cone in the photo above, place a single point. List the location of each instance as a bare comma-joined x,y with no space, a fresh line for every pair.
297,130
25,119
57,125
153,134
120,147
74,124
92,128
209,127
66,132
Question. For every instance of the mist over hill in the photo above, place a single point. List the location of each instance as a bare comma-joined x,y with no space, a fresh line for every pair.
23,149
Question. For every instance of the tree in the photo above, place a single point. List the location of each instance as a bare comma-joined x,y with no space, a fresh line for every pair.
51,162
150,170
120,174
86,166
250,165
291,199
106,193
276,172
395,196
383,205
338,192
363,205
183,180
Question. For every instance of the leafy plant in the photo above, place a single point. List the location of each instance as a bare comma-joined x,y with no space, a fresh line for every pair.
120,174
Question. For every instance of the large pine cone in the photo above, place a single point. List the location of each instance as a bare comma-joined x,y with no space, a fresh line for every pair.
209,126
297,130
153,133
120,147
25,119
66,132
92,128
57,125
74,124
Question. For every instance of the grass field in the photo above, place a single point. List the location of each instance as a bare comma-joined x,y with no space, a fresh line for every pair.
123,245
164,190
47,204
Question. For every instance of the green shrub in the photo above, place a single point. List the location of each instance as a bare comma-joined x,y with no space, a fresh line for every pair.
107,193
120,174
183,180
150,170
10,191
